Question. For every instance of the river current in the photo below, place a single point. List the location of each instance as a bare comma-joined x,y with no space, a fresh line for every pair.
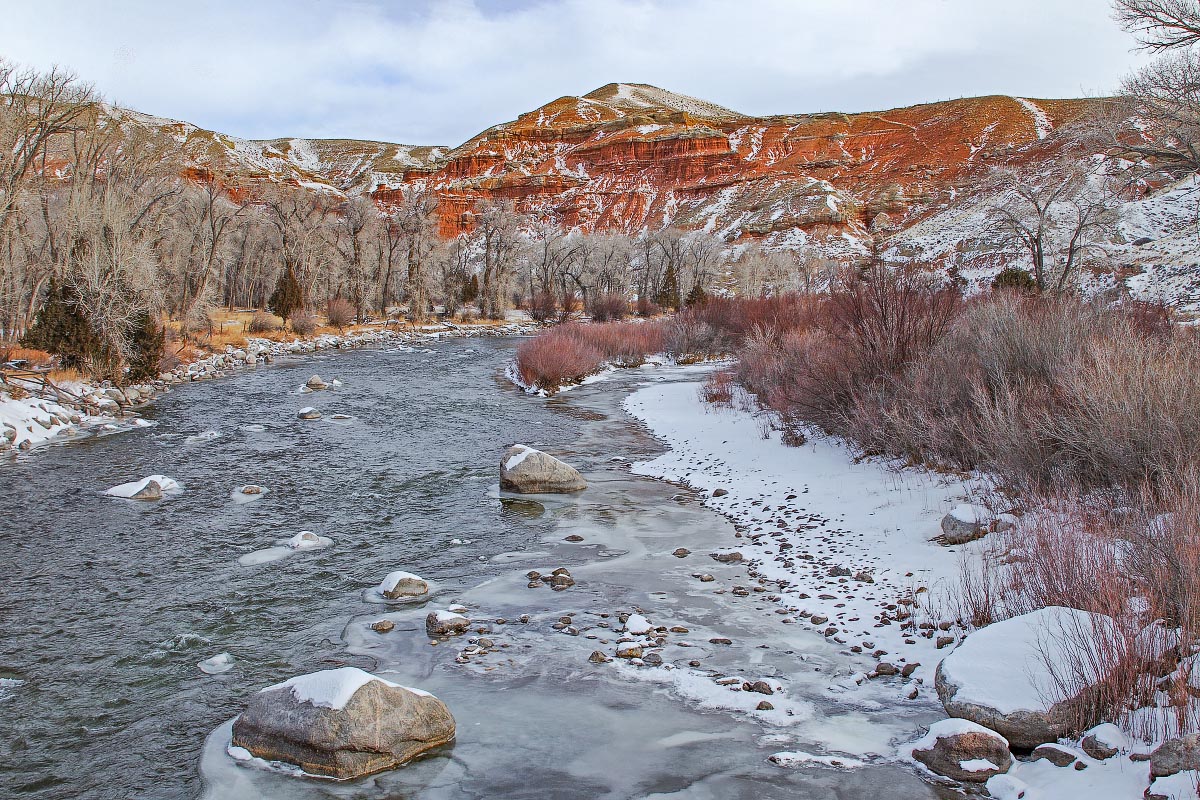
108,605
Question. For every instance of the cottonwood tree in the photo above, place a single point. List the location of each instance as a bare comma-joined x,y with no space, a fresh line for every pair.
497,237
417,224
1056,216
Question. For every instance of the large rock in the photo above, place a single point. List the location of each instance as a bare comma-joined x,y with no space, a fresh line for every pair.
529,471
965,523
402,584
342,723
1176,755
998,677
963,751
446,623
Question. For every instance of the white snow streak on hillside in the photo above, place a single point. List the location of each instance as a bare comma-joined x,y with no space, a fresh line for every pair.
1041,119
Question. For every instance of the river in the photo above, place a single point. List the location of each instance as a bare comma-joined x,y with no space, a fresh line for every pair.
109,604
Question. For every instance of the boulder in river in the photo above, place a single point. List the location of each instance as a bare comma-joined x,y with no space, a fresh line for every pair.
446,623
963,751
316,384
149,488
529,471
998,677
342,723
402,584
308,412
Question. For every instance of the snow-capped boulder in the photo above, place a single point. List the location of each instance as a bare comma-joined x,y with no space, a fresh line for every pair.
1104,741
1176,755
529,471
965,523
963,751
305,540
342,723
637,625
308,412
150,488
402,584
998,677
446,623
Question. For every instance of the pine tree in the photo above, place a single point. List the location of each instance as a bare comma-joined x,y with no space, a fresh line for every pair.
697,297
60,328
668,295
288,297
146,344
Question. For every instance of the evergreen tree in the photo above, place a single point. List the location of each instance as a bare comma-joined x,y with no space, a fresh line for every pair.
146,344
668,295
471,290
60,328
288,297
697,297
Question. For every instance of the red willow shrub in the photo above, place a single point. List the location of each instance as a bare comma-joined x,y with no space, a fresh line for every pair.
569,353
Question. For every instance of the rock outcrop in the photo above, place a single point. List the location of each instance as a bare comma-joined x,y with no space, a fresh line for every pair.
342,723
529,471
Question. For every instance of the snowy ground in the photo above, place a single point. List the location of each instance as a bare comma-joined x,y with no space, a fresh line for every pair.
802,512
810,515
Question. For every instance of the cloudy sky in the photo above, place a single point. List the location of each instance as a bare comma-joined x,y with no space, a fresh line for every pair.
439,71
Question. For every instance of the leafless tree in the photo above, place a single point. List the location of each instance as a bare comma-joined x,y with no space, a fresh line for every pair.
497,234
1160,24
1056,216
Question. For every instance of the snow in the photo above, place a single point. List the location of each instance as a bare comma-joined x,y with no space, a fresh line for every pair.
638,625
1113,779
516,458
1041,120
127,490
1180,786
393,578
945,728
1004,666
1109,735
216,665
30,416
976,765
863,515
796,758
971,514
333,688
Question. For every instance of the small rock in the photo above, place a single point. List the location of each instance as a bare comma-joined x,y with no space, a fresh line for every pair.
574,537
598,658
652,659
764,705
682,552
1055,754
446,623
719,492
383,626
308,412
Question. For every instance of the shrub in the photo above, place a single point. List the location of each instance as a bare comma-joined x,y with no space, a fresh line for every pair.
569,353
542,306
647,307
570,305
1015,279
303,323
606,306
340,313
147,347
556,359
262,322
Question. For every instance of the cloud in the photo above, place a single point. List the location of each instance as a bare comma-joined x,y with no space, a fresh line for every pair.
438,72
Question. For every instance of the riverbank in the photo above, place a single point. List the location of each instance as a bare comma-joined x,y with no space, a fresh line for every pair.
847,548
35,412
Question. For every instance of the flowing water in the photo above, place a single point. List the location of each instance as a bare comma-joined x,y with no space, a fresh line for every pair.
108,605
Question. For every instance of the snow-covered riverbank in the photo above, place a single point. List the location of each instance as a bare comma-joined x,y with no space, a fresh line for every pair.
845,546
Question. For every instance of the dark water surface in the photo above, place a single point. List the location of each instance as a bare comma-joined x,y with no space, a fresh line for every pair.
108,604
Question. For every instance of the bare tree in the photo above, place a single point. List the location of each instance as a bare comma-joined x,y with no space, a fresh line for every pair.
1056,217
417,221
1160,24
497,235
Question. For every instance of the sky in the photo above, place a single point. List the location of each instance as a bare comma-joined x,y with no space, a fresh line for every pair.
440,71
